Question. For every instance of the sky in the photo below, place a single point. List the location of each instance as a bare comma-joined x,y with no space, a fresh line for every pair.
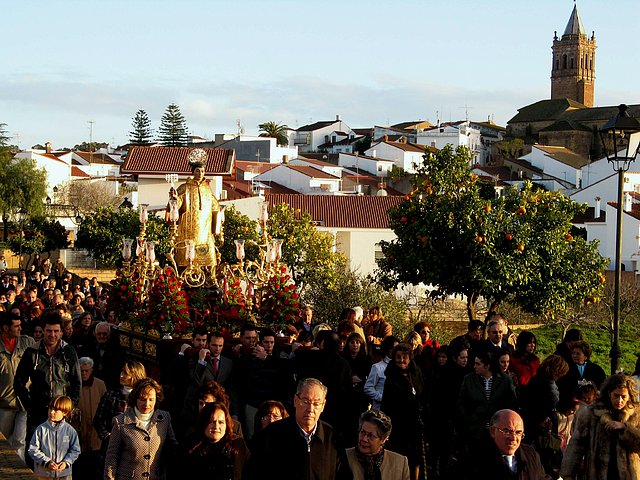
376,62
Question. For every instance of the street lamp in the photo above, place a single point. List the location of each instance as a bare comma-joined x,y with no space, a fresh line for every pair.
620,139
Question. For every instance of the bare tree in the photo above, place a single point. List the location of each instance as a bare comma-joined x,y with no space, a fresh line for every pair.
85,196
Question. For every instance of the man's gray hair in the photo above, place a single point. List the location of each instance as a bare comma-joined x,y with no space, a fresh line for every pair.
104,324
85,361
309,383
359,312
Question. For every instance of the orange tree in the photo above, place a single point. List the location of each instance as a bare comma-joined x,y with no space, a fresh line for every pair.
454,234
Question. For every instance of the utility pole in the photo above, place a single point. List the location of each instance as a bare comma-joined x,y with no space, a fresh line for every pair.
91,122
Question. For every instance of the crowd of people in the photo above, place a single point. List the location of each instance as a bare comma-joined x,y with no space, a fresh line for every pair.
310,402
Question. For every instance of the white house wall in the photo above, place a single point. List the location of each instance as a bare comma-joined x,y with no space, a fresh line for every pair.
359,246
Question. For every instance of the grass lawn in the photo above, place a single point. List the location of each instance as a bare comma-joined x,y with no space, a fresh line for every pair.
548,336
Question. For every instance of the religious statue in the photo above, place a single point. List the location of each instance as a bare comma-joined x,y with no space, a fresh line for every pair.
198,210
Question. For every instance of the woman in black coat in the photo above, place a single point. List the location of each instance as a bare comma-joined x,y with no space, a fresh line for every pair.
403,400
216,451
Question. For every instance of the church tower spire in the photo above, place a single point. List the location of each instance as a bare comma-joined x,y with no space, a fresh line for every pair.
573,70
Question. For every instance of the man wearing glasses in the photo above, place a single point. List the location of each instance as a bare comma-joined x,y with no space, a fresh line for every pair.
506,456
299,447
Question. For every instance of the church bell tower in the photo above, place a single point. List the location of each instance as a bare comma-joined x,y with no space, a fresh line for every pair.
573,71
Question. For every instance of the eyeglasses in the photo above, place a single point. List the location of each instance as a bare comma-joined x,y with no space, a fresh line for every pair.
510,433
306,402
368,435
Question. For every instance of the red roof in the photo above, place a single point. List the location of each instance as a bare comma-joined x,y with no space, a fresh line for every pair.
312,172
96,158
341,211
77,172
162,160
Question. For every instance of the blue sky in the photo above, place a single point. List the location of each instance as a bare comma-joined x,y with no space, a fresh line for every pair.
372,62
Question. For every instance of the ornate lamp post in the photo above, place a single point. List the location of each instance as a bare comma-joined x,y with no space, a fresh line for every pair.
621,141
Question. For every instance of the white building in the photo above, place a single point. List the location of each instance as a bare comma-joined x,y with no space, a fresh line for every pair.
302,178
558,163
259,149
375,166
406,156
308,138
453,133
357,223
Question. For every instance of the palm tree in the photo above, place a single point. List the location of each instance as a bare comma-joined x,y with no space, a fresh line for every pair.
275,130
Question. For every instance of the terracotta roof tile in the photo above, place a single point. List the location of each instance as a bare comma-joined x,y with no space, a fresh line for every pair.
342,211
316,126
96,158
635,209
564,155
161,160
312,172
77,172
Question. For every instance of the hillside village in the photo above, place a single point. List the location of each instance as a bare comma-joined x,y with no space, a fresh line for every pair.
348,176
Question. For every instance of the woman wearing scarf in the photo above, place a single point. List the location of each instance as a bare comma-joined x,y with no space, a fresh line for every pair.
142,438
369,460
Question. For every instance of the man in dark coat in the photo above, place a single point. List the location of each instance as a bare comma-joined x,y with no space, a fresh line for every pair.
300,447
505,457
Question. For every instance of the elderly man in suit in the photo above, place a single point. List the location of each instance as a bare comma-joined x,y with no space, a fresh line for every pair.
506,457
301,446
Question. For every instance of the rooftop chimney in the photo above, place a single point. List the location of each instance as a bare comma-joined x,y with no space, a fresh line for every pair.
627,202
337,118
596,210
47,147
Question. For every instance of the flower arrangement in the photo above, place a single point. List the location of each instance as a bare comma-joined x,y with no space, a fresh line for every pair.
125,296
167,310
230,311
280,300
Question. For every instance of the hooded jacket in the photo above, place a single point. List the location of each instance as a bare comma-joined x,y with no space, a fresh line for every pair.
57,442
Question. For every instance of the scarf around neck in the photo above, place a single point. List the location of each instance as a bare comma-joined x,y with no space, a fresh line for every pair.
371,464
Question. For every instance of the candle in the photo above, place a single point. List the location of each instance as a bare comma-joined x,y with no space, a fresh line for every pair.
144,215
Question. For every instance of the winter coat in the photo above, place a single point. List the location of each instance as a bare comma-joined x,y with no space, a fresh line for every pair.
591,442
493,467
216,460
90,396
281,452
137,452
524,366
54,442
476,410
404,401
50,376
394,466
8,366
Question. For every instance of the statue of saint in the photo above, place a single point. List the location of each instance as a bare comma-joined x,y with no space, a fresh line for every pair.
197,206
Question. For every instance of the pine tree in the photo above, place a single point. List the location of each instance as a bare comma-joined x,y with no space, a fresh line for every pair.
142,132
173,131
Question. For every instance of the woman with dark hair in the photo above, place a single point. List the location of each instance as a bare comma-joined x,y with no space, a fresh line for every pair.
404,401
524,362
563,349
217,452
369,459
606,435
483,393
142,437
539,401
267,413
581,369
355,353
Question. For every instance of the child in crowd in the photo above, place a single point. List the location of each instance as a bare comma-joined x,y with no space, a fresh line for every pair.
54,445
